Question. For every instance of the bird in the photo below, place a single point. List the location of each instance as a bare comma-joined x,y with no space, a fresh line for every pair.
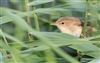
69,25
72,26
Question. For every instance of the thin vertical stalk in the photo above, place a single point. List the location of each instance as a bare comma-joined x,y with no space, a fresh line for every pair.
36,21
29,21
34,15
86,18
27,8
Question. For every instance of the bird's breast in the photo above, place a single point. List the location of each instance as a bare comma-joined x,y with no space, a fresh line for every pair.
76,32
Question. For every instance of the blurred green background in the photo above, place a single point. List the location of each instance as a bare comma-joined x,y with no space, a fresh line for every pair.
26,35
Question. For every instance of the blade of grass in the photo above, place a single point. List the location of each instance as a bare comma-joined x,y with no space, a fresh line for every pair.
38,2
94,37
12,38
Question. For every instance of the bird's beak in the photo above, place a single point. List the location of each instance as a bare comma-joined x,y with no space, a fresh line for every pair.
53,24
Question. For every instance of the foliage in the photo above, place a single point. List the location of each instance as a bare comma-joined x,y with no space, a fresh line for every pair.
26,35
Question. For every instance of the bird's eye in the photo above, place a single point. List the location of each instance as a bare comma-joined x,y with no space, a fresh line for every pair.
62,23
79,25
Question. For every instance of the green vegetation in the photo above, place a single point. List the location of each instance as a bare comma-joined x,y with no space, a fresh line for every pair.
26,35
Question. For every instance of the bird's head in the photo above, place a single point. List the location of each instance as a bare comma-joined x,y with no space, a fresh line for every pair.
69,25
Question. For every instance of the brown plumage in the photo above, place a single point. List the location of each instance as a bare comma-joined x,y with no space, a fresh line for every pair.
69,25
73,26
